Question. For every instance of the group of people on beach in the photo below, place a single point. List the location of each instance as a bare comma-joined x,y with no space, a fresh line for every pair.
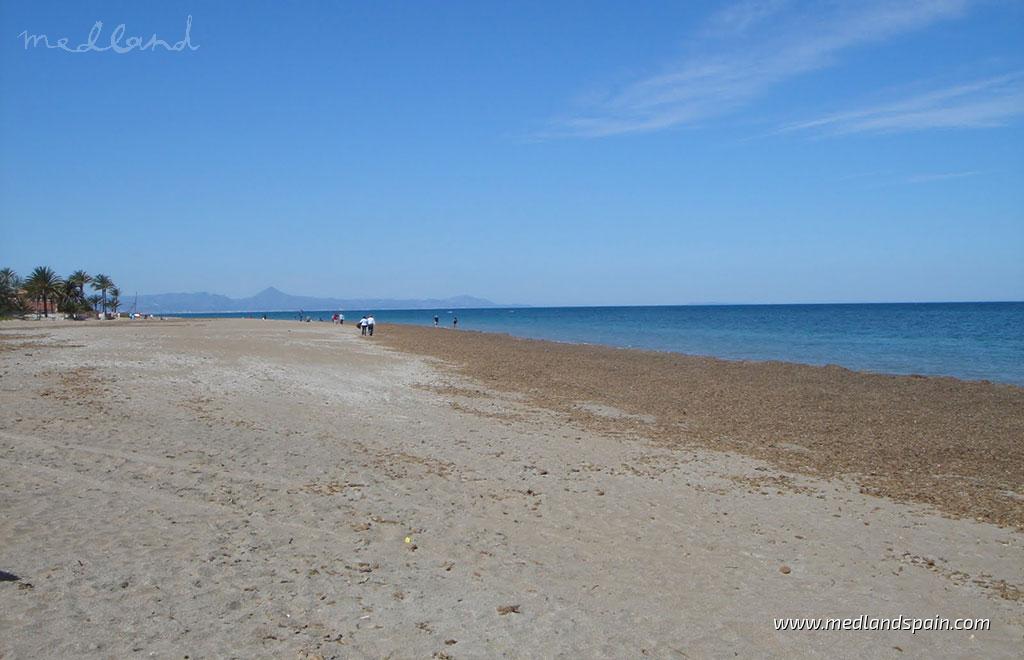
437,321
365,324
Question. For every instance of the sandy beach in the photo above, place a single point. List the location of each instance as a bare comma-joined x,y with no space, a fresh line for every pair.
245,488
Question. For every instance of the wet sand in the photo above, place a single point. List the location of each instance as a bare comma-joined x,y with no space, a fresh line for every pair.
241,488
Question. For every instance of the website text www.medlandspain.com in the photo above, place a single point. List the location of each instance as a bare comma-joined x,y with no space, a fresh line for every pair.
865,622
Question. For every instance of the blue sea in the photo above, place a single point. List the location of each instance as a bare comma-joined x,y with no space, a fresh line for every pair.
973,341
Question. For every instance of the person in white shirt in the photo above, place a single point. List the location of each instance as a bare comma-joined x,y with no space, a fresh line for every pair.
370,323
362,325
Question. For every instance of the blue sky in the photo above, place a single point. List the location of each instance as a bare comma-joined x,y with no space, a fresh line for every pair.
531,152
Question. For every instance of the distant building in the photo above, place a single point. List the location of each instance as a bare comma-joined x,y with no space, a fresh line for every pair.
34,305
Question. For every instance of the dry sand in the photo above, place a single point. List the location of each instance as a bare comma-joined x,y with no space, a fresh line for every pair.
244,488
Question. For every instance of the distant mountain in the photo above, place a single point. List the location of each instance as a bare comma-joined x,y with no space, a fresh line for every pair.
274,300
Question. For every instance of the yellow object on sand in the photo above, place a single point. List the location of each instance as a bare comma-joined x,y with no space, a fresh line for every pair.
408,539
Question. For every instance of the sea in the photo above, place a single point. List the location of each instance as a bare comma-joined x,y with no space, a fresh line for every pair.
971,341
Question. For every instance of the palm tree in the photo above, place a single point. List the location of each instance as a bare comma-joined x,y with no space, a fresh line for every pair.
69,298
9,285
102,283
95,300
115,299
9,279
80,278
44,284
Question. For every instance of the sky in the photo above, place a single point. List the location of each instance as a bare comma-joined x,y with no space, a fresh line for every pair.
545,153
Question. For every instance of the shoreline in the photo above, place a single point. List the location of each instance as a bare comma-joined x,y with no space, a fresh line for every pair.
840,342
567,342
717,358
935,440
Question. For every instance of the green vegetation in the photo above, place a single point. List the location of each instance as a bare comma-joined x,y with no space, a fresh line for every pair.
44,285
102,283
79,279
10,284
115,299
44,291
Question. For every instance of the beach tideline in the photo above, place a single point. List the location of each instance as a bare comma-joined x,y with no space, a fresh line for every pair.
257,488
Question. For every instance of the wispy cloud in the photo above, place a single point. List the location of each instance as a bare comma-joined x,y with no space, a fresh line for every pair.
740,17
977,104
745,50
886,179
941,176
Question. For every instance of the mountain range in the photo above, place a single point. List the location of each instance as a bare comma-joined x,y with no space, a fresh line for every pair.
274,300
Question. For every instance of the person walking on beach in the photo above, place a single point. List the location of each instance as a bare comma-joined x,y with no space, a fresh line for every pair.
437,321
362,325
341,319
455,322
370,322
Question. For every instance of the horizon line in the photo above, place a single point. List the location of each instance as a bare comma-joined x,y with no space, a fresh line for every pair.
699,304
